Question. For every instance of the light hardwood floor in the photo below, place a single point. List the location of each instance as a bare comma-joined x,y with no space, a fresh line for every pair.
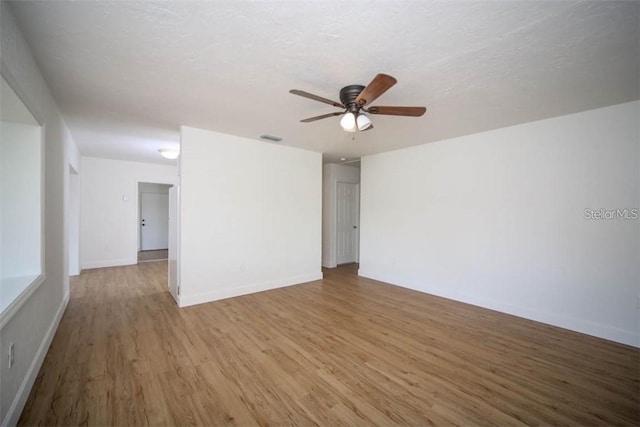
341,351
155,255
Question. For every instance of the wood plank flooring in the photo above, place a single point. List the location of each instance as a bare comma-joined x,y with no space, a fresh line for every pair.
154,255
341,351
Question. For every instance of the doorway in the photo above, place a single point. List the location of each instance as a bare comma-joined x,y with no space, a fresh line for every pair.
340,214
74,222
153,227
347,222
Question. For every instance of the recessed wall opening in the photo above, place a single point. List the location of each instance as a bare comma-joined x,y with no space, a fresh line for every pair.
21,201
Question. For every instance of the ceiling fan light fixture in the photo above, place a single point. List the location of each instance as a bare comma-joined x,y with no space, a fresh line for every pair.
363,122
169,154
348,122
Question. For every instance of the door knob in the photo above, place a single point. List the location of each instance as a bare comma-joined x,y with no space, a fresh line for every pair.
355,226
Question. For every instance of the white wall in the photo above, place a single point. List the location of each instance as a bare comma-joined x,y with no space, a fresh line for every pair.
108,222
497,219
250,216
33,325
331,175
20,191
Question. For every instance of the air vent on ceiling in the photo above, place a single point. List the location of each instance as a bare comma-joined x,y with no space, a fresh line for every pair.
270,137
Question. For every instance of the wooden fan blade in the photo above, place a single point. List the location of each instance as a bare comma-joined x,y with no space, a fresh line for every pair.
316,97
398,111
379,85
324,116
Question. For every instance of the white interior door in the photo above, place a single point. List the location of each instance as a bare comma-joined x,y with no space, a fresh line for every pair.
173,242
347,222
154,221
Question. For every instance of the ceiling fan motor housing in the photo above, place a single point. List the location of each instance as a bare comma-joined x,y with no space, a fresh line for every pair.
348,95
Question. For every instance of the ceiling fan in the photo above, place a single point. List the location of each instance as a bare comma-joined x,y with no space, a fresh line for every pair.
355,100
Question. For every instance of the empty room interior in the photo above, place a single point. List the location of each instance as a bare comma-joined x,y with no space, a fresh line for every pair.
319,213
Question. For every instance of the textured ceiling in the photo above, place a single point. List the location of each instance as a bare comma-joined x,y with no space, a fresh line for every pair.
127,74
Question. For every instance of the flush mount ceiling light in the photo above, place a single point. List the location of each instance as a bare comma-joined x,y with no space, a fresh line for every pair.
355,101
169,154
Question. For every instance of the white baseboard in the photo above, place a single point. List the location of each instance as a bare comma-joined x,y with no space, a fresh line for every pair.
583,326
13,415
218,294
109,263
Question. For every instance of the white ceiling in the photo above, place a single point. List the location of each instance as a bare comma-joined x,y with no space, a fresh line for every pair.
127,74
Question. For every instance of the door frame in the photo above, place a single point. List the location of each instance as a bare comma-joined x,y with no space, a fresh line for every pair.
73,229
174,221
335,213
137,203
